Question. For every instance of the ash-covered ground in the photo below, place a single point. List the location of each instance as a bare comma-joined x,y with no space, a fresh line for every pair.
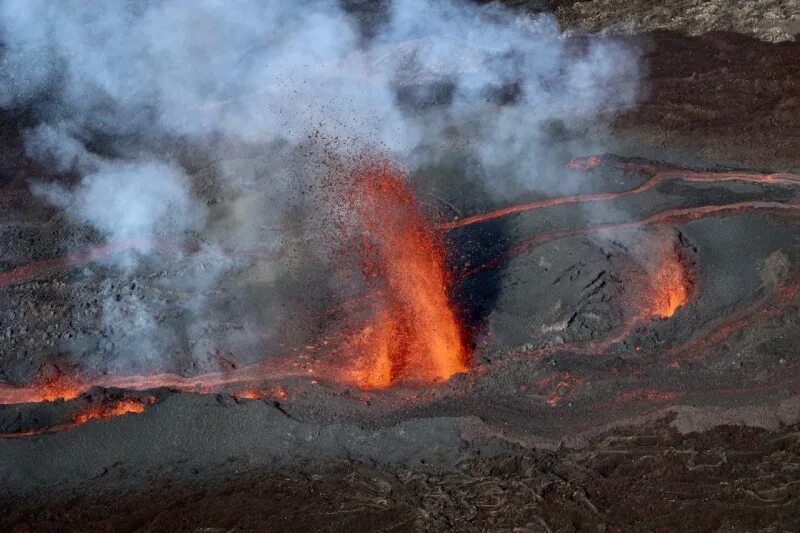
590,403
769,20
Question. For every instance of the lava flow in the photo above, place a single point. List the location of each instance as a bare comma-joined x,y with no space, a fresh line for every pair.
414,335
68,386
659,175
669,216
104,411
95,411
52,383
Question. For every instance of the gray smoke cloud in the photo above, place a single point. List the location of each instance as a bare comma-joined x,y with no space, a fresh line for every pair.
256,71
127,200
193,119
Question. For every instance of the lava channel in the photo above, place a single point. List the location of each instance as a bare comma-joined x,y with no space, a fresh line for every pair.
659,175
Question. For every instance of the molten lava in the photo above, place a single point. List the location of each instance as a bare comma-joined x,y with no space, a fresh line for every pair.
659,176
54,384
98,411
104,411
670,283
414,334
259,394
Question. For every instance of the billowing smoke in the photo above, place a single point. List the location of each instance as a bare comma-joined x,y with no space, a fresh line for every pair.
201,121
129,200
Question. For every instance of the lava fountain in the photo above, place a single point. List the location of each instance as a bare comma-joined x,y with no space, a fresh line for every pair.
669,280
414,334
411,335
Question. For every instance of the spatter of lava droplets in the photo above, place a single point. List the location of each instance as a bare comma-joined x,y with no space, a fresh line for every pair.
414,335
669,280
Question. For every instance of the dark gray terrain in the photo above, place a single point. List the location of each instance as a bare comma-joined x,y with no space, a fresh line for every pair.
581,411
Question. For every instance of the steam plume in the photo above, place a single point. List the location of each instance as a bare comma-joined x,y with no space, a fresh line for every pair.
195,119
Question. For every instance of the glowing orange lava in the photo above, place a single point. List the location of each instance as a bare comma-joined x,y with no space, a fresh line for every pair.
659,176
53,384
414,334
248,376
104,411
99,411
258,394
670,283
564,388
248,394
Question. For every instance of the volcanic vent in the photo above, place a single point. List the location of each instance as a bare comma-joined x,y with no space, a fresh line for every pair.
413,334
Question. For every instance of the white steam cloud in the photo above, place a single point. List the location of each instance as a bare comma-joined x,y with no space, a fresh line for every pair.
176,115
129,200
256,71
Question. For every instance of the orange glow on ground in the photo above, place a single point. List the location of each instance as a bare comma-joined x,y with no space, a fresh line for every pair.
98,411
564,389
53,384
277,393
248,394
414,334
104,411
585,163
